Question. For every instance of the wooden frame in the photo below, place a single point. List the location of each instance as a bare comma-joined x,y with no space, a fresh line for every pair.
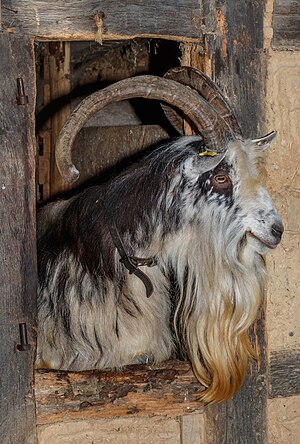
17,247
219,37
69,20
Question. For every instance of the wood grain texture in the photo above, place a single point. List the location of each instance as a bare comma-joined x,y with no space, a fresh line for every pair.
69,19
59,58
168,389
284,373
17,241
234,57
286,24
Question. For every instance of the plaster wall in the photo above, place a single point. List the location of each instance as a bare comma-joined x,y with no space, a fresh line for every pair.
283,114
283,301
120,430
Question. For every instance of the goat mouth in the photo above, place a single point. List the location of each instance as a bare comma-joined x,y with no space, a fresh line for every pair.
271,246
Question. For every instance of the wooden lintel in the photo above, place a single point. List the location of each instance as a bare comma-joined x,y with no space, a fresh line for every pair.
90,36
69,20
169,389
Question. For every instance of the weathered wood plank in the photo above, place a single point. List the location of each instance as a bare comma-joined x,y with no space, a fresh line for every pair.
17,240
168,389
286,24
68,19
284,373
234,58
59,58
286,7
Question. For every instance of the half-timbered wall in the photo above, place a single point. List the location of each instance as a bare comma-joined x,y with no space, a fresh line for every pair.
251,49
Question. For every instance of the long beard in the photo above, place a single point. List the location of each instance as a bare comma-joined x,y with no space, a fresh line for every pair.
220,281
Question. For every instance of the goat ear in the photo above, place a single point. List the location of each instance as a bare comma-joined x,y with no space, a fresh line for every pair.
264,142
207,159
208,162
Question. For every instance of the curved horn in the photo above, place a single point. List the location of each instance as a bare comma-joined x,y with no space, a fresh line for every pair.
150,87
200,82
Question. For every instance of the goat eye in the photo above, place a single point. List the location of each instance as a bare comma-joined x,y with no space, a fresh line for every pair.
222,181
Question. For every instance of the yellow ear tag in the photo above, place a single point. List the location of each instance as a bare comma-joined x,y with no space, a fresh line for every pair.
208,153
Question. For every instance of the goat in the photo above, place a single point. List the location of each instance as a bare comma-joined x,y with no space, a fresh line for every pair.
203,217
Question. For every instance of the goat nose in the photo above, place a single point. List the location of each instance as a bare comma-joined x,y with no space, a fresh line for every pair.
277,229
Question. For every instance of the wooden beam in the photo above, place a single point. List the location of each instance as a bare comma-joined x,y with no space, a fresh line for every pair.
17,241
168,389
286,24
233,56
59,58
284,373
70,19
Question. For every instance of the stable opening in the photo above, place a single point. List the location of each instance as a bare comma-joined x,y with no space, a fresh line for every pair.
69,71
66,73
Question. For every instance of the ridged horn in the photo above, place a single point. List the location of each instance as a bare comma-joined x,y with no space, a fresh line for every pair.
195,107
200,82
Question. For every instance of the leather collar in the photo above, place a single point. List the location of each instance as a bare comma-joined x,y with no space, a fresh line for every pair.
132,263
